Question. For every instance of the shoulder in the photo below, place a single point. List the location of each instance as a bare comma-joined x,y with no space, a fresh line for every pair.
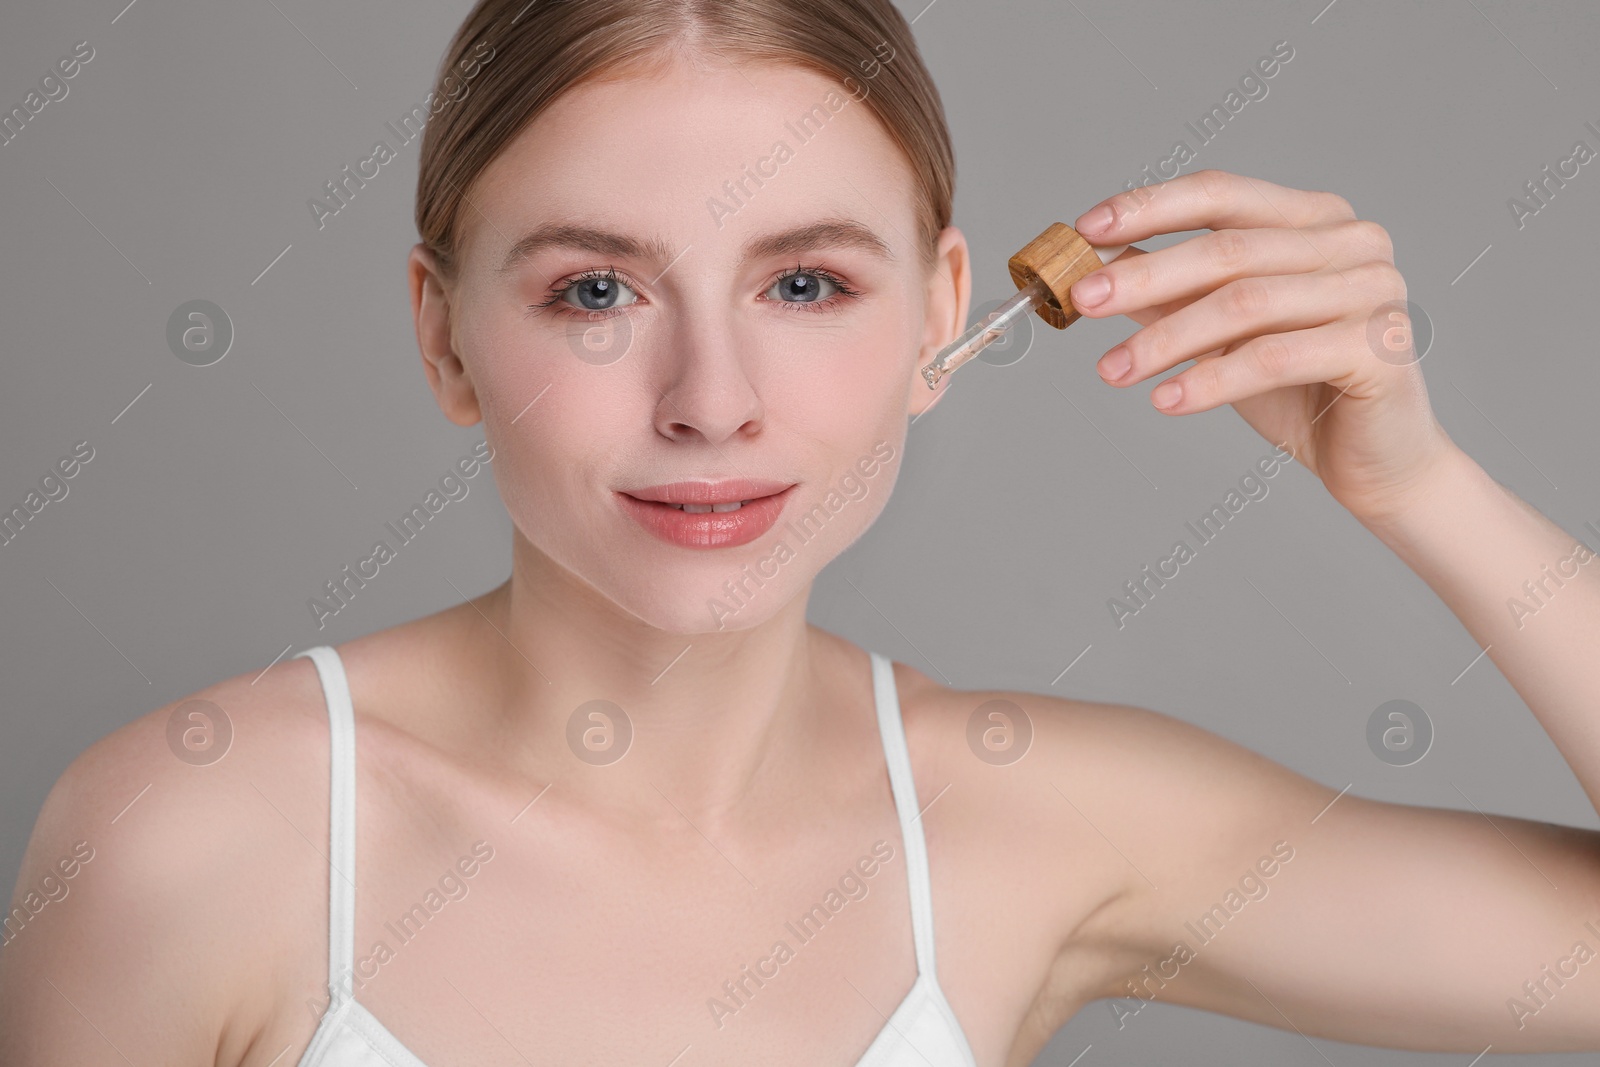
1100,819
1120,762
984,737
167,794
175,846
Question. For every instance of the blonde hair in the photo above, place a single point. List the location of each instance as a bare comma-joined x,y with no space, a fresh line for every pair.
517,57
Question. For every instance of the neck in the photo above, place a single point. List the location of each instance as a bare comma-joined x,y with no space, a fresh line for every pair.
717,720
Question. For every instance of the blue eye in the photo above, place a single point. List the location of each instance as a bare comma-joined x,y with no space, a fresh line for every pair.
803,287
596,291
809,287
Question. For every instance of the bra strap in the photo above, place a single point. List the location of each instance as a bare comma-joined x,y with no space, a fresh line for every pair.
341,821
904,789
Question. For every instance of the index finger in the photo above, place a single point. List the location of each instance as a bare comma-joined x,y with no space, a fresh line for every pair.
1207,199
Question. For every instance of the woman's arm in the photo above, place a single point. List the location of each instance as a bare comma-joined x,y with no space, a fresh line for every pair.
106,961
1253,890
1256,892
1292,310
164,906
1527,591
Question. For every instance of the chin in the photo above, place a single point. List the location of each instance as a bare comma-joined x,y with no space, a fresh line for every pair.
719,596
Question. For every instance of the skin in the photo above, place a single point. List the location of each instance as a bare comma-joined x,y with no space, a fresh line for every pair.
755,776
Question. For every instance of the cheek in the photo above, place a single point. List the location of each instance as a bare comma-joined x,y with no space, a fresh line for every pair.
511,362
555,421
556,383
850,386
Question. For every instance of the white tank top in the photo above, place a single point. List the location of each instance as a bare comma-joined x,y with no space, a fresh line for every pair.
921,1032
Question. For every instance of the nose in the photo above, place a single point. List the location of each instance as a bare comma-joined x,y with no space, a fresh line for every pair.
706,390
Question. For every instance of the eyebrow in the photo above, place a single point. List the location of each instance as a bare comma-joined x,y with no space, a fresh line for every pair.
825,233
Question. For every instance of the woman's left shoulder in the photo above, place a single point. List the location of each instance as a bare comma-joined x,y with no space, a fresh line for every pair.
1025,764
1018,732
1054,734
1056,805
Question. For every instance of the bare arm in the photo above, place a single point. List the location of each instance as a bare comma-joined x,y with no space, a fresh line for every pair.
1527,591
1387,924
147,920
1259,893
99,965
1256,892
1292,311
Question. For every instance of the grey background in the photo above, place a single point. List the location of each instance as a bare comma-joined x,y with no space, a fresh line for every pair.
182,160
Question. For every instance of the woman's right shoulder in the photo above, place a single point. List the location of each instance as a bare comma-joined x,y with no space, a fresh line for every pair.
164,870
200,765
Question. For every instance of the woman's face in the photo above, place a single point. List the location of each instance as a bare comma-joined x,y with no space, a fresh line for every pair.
722,285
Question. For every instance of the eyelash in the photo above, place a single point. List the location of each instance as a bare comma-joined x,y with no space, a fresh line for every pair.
807,306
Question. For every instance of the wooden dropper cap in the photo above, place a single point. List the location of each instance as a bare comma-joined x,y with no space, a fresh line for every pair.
1059,256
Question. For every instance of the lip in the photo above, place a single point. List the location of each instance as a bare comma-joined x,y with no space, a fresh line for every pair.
651,507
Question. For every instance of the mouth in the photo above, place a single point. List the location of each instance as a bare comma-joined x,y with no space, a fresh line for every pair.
719,514
700,509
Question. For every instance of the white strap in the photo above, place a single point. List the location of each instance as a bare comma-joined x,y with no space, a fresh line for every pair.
904,789
341,821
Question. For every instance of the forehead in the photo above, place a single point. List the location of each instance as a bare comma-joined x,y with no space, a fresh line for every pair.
703,156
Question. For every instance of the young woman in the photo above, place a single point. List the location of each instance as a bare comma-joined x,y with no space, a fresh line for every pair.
683,260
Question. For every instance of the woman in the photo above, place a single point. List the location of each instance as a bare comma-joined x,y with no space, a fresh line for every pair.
684,262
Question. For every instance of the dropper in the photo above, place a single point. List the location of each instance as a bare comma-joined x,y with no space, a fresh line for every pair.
1044,271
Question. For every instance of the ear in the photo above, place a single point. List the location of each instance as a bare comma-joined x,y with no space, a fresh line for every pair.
948,296
441,362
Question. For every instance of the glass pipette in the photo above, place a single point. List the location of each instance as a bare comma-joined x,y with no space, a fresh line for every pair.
1044,271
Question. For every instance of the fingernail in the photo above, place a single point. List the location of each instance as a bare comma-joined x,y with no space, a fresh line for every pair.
1166,395
1114,364
1091,290
1095,219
